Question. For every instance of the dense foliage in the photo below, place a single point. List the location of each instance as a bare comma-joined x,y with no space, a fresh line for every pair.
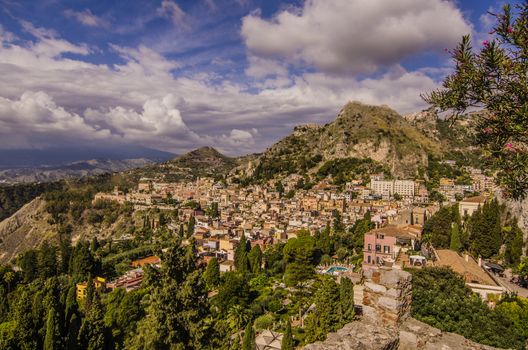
495,78
13,197
441,299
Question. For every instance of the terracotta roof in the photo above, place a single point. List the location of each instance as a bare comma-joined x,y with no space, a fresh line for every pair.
476,199
470,270
146,261
406,231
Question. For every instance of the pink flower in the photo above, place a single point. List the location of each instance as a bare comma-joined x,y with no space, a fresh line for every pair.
488,130
510,30
509,145
485,43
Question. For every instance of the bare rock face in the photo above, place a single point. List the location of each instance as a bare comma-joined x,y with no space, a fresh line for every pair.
386,323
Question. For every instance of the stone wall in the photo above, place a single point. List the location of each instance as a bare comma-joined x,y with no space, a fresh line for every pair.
387,295
386,323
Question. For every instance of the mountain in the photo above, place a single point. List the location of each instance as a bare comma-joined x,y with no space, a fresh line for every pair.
59,156
204,161
75,169
378,135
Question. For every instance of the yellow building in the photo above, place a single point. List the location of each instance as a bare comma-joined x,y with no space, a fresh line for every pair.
98,282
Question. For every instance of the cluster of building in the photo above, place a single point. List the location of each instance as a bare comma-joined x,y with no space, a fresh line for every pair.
265,215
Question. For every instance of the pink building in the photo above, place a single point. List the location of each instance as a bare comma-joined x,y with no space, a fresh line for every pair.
381,246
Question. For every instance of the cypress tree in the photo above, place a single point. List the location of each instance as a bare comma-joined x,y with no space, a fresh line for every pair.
181,231
71,306
25,333
212,274
92,332
248,342
346,300
53,340
287,339
74,326
255,259
190,226
455,243
90,292
241,258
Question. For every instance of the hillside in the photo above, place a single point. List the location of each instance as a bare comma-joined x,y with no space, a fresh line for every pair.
25,229
375,133
204,161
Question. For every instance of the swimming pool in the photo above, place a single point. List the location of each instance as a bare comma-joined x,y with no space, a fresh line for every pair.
334,270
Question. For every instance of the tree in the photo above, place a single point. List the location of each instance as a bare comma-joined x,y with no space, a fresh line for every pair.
326,317
287,339
181,232
28,262
338,222
495,78
178,310
92,332
74,325
299,254
346,300
514,245
248,342
90,293
441,299
25,332
241,257
190,226
279,188
255,259
47,260
212,274
237,317
9,277
455,243
53,339
438,228
486,230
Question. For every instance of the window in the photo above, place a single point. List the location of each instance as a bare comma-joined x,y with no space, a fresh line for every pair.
369,248
378,260
378,247
386,249
369,259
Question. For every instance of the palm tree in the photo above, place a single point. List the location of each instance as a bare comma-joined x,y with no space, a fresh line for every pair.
8,278
238,317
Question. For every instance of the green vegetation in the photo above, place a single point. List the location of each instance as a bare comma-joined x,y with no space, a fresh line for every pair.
494,77
345,169
441,299
13,197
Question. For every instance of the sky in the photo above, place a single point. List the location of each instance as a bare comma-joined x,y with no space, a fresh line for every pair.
237,75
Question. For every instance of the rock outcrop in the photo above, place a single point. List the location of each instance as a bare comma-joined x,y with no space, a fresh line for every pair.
386,323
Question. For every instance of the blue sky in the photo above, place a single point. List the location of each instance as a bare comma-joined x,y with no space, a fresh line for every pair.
234,74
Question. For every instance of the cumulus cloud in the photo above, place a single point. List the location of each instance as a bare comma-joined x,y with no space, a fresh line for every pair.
142,102
86,18
171,10
261,67
356,36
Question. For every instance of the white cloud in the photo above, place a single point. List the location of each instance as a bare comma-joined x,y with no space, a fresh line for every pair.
171,10
86,18
141,102
262,67
357,36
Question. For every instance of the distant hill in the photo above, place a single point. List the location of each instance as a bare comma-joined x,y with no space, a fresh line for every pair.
71,170
204,161
364,139
60,156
